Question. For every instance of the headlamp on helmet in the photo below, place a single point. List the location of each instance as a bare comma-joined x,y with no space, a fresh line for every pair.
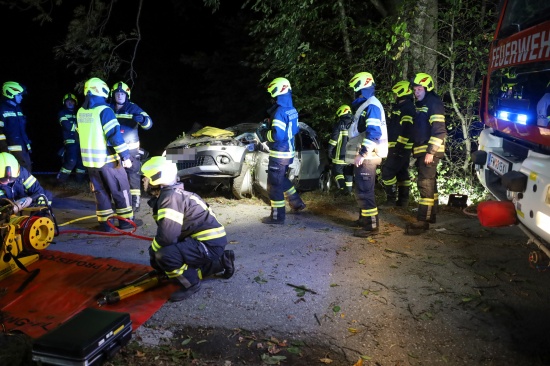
9,168
361,80
278,86
120,87
160,171
344,109
70,96
11,88
402,88
97,87
423,79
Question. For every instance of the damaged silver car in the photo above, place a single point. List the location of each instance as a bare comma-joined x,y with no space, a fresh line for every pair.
236,157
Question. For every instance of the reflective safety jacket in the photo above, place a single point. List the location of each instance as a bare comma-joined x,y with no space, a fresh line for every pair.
369,122
13,128
339,139
180,214
429,130
128,127
100,139
401,124
25,185
283,127
67,120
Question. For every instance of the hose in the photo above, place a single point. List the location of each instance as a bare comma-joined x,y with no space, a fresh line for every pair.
118,232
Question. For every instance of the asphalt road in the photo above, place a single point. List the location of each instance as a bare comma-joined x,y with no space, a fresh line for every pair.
460,294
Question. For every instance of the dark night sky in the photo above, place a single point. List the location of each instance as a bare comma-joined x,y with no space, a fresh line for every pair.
173,93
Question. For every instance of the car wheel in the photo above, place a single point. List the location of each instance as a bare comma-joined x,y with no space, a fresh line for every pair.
325,181
241,186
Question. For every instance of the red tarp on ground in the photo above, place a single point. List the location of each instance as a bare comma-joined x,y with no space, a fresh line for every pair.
68,283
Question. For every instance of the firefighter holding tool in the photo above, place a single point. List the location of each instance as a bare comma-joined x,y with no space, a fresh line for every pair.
190,241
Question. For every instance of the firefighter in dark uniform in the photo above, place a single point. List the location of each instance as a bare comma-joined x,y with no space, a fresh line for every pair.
429,135
17,183
102,148
280,137
131,118
190,242
13,124
341,171
395,170
366,161
71,156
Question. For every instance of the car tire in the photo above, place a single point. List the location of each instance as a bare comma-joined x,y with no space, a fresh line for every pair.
242,185
325,181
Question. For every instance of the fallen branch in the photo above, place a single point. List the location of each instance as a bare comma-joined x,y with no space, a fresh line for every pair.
302,288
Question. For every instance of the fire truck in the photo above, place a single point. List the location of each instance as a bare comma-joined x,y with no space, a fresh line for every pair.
513,160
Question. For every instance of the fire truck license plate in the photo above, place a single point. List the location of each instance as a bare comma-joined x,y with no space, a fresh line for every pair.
499,165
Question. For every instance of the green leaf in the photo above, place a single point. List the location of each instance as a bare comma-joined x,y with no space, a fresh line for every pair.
336,309
186,341
294,350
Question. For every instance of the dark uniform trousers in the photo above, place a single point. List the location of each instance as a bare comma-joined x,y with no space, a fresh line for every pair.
365,180
72,159
205,256
396,171
279,186
343,175
110,182
427,187
134,174
23,157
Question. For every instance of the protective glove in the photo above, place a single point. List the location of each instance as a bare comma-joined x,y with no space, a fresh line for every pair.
261,131
139,118
127,163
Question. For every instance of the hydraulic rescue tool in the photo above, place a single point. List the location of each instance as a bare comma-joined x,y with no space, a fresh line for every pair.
142,283
24,229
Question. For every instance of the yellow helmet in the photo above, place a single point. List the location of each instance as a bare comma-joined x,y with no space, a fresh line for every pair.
344,109
160,171
10,89
70,96
278,86
402,88
96,86
423,79
361,80
9,168
120,87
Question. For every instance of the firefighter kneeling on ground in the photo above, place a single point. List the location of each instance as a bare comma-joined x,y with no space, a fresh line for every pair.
20,186
190,242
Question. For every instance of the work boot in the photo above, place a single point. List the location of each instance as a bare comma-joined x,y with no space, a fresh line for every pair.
62,177
432,219
277,216
123,225
300,207
417,228
228,261
185,292
103,227
295,202
369,226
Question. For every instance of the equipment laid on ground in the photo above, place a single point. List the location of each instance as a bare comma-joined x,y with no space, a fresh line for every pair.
145,282
89,338
22,236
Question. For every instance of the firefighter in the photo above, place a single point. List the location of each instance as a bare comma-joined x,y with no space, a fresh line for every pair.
13,124
71,155
131,118
395,170
18,183
279,134
189,237
102,148
369,125
341,171
429,135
